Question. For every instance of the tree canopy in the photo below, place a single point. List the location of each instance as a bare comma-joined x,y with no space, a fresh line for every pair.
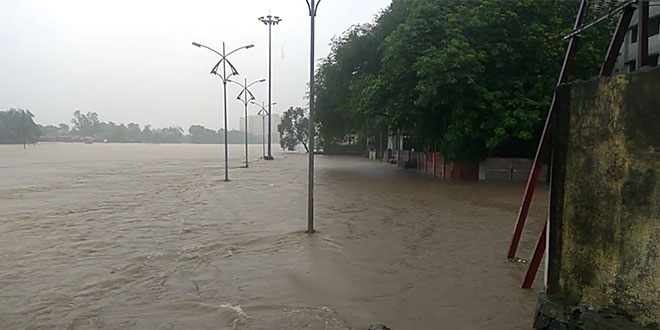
17,126
470,79
294,129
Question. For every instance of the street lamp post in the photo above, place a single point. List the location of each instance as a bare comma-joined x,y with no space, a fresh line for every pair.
270,21
245,96
313,7
225,78
263,113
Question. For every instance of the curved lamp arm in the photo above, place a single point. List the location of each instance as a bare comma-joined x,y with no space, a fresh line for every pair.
256,82
312,11
236,82
207,47
249,85
239,48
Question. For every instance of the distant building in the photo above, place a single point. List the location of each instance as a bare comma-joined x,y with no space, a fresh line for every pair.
627,60
255,124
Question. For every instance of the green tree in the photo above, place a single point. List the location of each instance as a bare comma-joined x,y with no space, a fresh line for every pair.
17,126
64,129
147,134
201,134
168,135
86,124
472,79
294,129
134,133
48,132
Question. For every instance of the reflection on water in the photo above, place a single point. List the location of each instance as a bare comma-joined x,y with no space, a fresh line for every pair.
148,236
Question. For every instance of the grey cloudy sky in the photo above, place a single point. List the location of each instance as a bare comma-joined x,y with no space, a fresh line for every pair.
132,60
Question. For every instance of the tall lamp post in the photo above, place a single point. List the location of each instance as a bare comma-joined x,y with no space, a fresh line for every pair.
225,78
270,21
263,113
245,96
313,7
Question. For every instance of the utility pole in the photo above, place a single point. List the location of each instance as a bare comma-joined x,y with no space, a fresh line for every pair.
313,7
270,21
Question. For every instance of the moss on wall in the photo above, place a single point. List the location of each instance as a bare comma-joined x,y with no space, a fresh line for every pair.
605,200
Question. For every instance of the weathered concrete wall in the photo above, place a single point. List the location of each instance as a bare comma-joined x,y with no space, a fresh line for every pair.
509,169
433,163
605,200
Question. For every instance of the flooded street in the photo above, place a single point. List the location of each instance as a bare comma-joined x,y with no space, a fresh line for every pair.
150,237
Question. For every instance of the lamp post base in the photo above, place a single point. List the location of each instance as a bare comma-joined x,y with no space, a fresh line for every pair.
269,158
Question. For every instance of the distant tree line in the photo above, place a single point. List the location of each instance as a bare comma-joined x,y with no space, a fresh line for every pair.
16,123
471,79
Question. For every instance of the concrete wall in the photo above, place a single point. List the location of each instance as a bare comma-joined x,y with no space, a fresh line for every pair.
509,169
433,163
604,232
430,163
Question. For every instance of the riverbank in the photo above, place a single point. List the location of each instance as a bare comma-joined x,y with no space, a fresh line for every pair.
151,237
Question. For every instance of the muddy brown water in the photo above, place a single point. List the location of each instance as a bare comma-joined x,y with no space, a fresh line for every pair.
149,237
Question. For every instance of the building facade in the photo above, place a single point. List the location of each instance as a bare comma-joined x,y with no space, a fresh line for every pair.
627,60
255,124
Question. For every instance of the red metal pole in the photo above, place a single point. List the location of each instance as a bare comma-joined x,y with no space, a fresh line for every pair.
643,33
617,41
535,262
545,137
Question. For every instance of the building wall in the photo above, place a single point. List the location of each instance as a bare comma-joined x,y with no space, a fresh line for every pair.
255,124
433,163
604,235
628,53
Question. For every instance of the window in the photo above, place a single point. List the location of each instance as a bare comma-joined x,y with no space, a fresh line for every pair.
632,65
653,59
633,34
654,25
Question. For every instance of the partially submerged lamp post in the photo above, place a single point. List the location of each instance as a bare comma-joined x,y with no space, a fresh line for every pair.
225,78
270,21
263,113
313,7
245,96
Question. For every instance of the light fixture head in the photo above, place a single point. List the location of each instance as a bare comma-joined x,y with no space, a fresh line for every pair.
196,44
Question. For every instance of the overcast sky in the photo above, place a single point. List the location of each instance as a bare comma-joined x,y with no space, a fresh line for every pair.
132,60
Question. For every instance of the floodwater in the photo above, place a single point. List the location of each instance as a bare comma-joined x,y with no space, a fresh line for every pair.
150,237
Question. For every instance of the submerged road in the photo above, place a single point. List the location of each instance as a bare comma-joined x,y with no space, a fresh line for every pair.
149,237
